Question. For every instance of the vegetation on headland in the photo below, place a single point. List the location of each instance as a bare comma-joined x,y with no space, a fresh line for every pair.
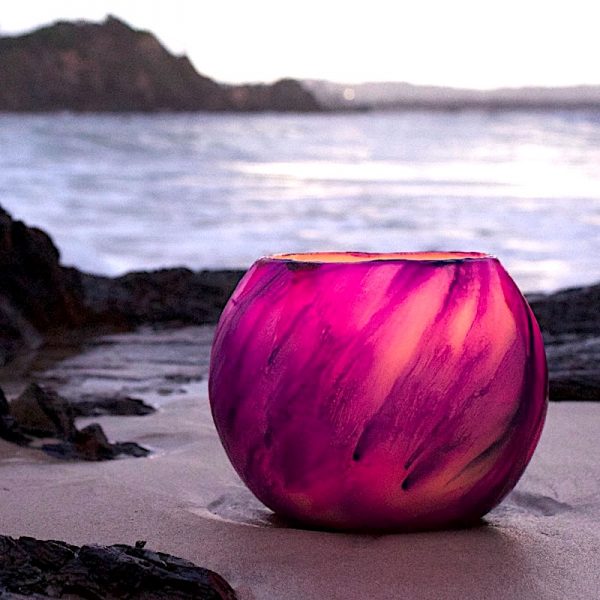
112,67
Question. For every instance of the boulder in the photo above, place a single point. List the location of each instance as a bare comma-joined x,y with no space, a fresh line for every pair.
175,296
574,367
570,322
91,443
54,569
40,413
91,405
9,429
571,311
38,295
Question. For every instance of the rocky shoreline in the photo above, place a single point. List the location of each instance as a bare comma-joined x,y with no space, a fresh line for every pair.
41,418
41,300
158,314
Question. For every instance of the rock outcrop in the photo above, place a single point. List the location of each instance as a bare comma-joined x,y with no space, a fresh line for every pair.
37,294
9,428
573,311
43,419
164,296
40,298
284,95
82,66
94,405
53,569
570,321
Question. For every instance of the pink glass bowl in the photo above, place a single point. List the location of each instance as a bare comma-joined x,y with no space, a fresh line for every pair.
379,391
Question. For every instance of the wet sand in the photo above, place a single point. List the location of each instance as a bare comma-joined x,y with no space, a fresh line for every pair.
543,541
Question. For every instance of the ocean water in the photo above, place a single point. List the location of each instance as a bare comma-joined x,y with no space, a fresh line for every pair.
137,192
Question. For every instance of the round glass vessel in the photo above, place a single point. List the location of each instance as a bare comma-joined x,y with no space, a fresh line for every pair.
379,391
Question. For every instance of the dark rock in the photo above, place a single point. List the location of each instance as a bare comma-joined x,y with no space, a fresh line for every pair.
91,443
570,322
129,449
110,66
571,311
39,298
575,386
16,332
37,295
180,378
164,296
40,413
285,95
573,364
4,408
53,569
96,406
9,429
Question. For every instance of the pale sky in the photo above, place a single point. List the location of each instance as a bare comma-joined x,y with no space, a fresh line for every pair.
470,43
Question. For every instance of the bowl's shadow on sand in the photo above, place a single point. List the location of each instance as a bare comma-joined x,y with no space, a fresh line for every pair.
274,520
460,562
240,506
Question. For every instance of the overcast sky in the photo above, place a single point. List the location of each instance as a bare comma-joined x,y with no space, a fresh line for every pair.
473,43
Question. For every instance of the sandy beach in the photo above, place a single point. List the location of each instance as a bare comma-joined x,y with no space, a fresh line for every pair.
543,541
378,367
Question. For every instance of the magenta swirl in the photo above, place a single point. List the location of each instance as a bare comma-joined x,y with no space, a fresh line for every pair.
368,391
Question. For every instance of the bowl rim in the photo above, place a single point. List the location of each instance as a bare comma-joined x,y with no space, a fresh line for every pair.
337,257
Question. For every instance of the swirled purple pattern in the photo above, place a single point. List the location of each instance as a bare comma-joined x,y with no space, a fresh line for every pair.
402,393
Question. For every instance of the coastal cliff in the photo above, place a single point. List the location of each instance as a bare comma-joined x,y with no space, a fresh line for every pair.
111,67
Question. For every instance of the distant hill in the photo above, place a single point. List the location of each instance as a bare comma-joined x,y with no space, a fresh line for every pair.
109,66
395,95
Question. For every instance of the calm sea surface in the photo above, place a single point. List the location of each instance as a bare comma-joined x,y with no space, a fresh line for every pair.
137,192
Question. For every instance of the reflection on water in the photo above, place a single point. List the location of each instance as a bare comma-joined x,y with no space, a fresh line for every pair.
131,192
